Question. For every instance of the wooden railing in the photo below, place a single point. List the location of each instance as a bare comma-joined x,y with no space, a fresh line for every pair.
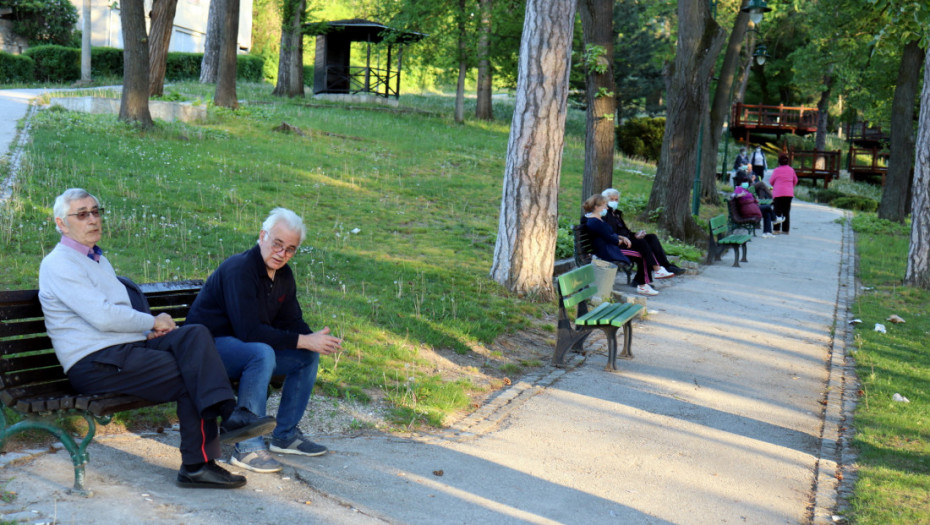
864,131
816,165
777,118
865,162
360,79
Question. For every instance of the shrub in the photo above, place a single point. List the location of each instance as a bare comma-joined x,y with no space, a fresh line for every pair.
855,202
106,62
43,21
183,66
55,63
248,68
308,76
565,239
825,196
641,137
16,68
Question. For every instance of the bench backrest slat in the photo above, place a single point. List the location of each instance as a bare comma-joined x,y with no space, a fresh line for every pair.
718,224
27,362
17,328
22,345
577,285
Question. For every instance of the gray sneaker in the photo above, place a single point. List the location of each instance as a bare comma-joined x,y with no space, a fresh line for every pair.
299,445
257,461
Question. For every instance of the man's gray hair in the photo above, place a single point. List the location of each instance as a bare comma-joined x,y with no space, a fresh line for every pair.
291,221
63,203
610,192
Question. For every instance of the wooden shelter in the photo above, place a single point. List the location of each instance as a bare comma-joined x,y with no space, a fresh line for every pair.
868,152
333,72
752,119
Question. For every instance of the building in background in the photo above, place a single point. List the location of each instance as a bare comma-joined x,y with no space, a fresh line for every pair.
190,24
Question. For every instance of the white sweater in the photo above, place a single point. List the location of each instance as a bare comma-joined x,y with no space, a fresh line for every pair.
86,307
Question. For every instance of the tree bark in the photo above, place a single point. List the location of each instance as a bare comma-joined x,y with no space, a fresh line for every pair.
159,39
85,42
291,55
463,65
720,110
745,69
211,47
699,42
134,104
483,110
918,257
898,181
225,94
524,253
600,95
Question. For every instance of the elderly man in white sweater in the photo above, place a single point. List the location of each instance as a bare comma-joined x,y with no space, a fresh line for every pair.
105,346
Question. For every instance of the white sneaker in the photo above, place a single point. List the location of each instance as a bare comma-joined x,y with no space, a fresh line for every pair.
767,236
645,289
662,273
778,220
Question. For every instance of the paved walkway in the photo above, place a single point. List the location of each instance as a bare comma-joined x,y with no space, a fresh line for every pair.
729,413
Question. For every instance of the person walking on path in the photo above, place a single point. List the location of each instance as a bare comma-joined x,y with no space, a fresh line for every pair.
759,164
783,181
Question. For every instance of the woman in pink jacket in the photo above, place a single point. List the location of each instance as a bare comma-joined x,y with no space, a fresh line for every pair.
783,181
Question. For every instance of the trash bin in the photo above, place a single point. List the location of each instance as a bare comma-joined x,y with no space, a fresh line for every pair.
605,273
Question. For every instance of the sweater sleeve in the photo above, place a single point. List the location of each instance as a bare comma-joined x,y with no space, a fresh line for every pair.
247,315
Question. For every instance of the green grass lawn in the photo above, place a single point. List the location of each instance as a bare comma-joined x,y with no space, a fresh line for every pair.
401,207
893,439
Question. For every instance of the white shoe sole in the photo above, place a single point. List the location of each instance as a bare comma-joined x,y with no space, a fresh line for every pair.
241,464
295,451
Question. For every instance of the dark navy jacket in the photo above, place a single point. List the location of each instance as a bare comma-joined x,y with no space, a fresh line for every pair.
240,300
606,242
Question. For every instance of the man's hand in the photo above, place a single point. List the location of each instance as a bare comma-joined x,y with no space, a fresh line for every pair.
320,342
640,234
163,324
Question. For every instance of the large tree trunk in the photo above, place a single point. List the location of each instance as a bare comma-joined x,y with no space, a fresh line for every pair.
483,109
918,257
600,95
211,47
159,40
898,180
291,56
85,42
226,74
746,68
699,42
823,115
134,105
524,253
463,65
720,110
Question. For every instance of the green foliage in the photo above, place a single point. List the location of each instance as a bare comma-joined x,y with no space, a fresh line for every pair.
841,197
869,223
43,21
186,66
644,45
106,62
855,202
248,68
594,59
16,68
641,137
55,63
565,239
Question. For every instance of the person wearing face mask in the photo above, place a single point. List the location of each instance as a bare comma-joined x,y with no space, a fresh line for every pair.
612,247
647,244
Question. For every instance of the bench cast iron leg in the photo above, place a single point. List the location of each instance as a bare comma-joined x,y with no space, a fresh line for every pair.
744,253
627,340
566,338
611,333
736,255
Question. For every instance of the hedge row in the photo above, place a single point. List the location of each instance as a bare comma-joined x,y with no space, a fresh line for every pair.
16,68
63,64
641,137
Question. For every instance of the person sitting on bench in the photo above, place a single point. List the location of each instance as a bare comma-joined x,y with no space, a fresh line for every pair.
648,244
612,247
107,347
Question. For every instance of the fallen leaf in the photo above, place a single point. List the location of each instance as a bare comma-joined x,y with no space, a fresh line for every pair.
438,472
894,319
507,381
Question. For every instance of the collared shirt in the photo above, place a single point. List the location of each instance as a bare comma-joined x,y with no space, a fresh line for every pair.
91,253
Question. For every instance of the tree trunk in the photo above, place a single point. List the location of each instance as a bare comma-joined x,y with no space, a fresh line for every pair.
600,95
918,257
226,72
291,55
483,109
524,253
463,65
898,180
746,68
134,105
720,110
699,42
211,47
159,40
85,42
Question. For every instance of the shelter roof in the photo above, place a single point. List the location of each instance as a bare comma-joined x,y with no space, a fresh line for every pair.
360,30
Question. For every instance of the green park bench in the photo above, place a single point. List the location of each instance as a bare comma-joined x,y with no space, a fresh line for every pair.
722,238
33,382
574,288
584,249
738,221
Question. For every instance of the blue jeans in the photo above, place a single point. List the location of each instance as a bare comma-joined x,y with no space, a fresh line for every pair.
768,215
253,364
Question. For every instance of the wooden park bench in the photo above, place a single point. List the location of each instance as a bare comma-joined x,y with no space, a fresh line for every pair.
584,249
33,382
574,288
736,220
722,238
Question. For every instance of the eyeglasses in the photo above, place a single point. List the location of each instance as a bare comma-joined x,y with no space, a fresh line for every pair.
278,246
83,215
